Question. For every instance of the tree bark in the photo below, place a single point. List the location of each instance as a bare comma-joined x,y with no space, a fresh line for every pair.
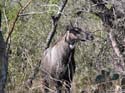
3,60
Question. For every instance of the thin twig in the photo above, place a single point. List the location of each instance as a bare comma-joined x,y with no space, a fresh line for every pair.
50,5
47,5
17,16
116,48
6,19
34,13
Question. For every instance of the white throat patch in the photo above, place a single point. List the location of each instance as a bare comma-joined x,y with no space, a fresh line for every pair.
72,46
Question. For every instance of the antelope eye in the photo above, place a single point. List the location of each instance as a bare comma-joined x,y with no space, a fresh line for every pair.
77,30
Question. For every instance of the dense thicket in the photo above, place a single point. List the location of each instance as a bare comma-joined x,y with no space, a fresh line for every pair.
31,26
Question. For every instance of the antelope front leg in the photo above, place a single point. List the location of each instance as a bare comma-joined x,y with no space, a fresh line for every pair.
68,87
58,87
45,86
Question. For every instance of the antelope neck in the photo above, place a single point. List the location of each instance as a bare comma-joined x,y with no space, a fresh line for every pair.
70,43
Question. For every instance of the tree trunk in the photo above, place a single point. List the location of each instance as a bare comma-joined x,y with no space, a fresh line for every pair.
3,60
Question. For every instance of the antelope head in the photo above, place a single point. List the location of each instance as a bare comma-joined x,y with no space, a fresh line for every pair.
77,34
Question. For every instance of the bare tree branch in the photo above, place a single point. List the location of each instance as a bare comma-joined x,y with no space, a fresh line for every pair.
17,16
4,49
51,5
6,19
55,20
116,48
47,5
34,13
103,12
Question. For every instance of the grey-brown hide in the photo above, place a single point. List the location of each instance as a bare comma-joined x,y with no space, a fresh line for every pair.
58,63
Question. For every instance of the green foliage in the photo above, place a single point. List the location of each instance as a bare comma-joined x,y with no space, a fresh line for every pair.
0,3
109,5
29,37
11,11
53,1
